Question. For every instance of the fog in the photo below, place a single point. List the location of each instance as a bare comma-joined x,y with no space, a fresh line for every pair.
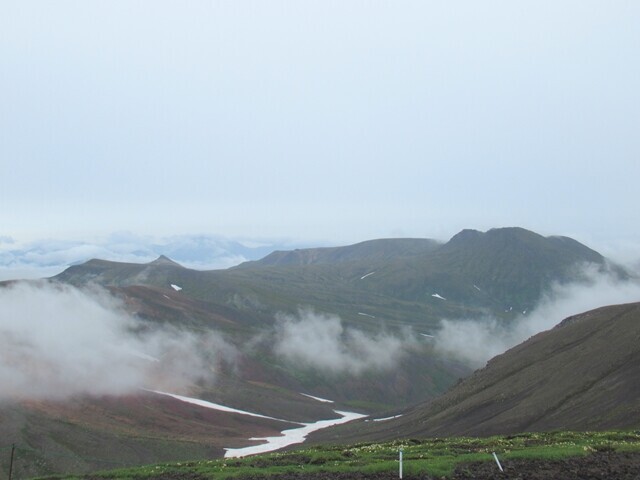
475,342
47,257
321,341
58,341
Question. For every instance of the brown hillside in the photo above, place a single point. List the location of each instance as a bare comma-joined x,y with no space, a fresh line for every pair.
582,375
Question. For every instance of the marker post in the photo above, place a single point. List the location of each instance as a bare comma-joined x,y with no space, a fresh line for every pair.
13,449
497,461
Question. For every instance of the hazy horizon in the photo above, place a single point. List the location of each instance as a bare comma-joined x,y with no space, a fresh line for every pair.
319,123
42,258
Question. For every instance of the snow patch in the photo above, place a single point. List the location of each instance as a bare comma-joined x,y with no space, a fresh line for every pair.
144,356
435,295
366,315
288,437
427,335
291,436
386,418
176,287
215,406
317,398
367,275
477,288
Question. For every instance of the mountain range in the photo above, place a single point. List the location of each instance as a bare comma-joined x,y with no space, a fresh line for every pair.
402,281
379,297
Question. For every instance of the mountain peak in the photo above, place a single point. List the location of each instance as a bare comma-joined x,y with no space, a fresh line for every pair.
164,260
465,235
469,235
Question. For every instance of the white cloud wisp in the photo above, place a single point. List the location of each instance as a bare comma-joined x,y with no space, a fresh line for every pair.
57,341
321,341
477,341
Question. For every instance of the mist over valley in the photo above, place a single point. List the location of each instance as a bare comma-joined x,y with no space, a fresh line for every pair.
375,327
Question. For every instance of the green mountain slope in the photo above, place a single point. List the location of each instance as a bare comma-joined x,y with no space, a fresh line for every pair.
500,269
399,282
370,251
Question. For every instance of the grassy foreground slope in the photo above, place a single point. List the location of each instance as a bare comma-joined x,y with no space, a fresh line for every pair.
424,459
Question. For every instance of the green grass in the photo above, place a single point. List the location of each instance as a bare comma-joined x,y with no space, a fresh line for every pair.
435,456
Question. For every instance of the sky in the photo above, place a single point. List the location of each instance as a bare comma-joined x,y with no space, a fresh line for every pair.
319,121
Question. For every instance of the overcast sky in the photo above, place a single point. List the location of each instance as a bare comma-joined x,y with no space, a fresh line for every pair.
334,121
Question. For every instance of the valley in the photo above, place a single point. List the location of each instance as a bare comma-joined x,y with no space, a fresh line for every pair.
360,325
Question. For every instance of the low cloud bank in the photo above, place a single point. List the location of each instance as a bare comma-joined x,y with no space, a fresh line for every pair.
43,258
321,341
58,341
476,341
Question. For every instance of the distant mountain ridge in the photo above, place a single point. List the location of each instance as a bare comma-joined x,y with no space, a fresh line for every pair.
501,269
374,250
193,251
